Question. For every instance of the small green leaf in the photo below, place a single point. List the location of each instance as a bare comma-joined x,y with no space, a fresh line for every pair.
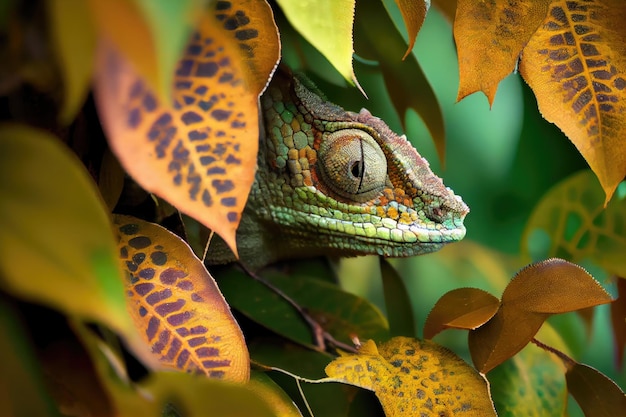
327,25
56,242
75,42
397,302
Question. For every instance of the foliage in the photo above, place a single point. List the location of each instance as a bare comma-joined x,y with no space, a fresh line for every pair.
174,88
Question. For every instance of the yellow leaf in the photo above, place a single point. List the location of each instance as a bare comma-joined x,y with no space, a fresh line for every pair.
200,153
413,14
75,52
489,38
177,304
415,378
327,25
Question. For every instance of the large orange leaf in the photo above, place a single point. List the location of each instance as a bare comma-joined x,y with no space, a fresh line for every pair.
489,37
198,154
177,304
576,65
412,377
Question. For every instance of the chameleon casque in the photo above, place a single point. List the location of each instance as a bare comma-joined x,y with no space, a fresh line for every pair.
334,182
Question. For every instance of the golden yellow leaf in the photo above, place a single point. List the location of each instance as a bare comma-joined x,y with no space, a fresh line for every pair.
200,153
461,308
177,304
415,378
576,65
489,37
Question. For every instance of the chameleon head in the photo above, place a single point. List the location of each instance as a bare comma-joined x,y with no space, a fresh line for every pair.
336,182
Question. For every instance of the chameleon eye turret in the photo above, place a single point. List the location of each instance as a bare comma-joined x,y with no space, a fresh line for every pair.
352,164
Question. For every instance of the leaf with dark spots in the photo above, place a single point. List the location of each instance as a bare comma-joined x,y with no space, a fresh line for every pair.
182,314
189,150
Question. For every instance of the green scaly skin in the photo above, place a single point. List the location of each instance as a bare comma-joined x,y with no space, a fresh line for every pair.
333,182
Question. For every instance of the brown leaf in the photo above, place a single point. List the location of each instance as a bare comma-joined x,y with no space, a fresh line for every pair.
199,154
412,377
618,320
553,286
537,291
413,14
596,394
447,8
177,305
489,37
461,308
576,65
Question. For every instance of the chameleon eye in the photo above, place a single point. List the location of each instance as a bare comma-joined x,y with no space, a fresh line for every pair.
352,164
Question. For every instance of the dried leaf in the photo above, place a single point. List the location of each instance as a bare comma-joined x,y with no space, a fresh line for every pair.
410,376
177,305
536,292
327,25
576,65
489,38
74,53
618,320
199,154
413,14
596,394
553,286
572,218
461,308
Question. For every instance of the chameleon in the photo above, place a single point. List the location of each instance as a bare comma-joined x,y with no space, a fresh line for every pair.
335,182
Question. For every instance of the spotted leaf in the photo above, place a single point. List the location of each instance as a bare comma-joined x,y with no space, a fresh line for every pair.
412,377
177,305
199,152
576,65
489,36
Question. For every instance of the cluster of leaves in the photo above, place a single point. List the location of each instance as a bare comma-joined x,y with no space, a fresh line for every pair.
59,248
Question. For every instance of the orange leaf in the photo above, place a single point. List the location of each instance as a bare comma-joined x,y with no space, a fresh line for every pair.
489,38
553,286
413,14
412,377
177,305
596,394
199,154
576,66
536,292
461,308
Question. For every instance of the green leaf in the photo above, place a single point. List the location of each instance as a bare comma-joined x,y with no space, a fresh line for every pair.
56,242
327,25
22,387
571,222
531,383
340,313
273,395
74,41
397,302
405,81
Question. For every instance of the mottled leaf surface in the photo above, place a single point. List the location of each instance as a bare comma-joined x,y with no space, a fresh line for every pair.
327,25
596,394
412,377
537,291
176,304
199,153
570,222
489,37
461,308
576,65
